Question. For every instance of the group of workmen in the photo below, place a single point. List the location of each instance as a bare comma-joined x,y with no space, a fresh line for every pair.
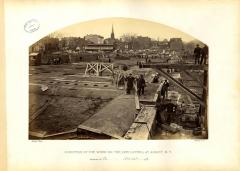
201,54
138,81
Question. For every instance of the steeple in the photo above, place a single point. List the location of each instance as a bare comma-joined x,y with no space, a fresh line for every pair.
112,34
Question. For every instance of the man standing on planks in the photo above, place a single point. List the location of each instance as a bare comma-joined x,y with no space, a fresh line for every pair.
129,83
163,93
140,85
197,54
166,85
204,55
164,90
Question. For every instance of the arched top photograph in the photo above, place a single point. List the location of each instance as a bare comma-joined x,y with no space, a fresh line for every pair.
118,78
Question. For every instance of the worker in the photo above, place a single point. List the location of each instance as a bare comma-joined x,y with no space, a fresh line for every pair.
129,83
140,85
165,113
155,78
171,112
146,59
204,54
165,85
140,64
183,107
163,93
197,53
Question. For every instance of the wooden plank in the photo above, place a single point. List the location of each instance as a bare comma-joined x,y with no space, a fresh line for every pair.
137,104
155,98
136,98
37,134
62,135
115,118
147,102
82,127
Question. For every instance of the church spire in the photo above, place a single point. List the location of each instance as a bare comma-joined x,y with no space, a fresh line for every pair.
112,34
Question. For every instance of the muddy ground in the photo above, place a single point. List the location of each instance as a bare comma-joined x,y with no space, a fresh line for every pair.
74,98
65,113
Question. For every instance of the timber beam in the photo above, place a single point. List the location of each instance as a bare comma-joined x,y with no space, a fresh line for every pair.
182,87
175,66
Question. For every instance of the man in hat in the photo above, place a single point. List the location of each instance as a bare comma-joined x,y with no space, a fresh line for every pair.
197,54
204,54
155,78
129,83
166,85
164,90
140,85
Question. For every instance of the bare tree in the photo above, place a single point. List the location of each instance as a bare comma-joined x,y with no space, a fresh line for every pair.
56,35
128,37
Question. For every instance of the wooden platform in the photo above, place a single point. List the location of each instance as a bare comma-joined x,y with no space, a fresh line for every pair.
114,119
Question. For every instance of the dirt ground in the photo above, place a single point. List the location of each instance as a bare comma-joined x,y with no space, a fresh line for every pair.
72,102
74,99
66,113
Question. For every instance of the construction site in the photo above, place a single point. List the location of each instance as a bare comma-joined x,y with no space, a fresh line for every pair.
88,100
132,87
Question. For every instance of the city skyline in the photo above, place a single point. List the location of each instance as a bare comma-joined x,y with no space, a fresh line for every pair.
103,27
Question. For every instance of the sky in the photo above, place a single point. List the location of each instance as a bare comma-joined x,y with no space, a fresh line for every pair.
122,26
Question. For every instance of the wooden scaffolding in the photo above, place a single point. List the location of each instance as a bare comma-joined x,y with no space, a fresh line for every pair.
97,69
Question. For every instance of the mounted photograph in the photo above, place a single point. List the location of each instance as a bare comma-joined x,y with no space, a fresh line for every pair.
118,79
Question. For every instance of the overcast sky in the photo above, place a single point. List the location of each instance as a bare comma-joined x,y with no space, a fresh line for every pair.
121,26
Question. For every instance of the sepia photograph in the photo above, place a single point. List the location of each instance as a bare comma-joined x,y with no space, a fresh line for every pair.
119,85
118,78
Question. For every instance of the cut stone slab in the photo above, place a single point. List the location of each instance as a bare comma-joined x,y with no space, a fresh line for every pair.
144,124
